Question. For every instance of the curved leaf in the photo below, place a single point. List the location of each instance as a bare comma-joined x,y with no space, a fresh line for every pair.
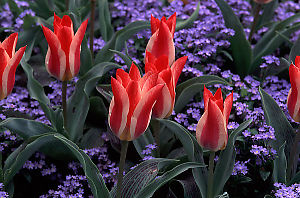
150,189
141,142
188,22
241,49
106,28
226,160
280,166
295,51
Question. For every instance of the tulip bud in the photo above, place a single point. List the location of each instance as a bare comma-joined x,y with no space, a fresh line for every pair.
211,131
161,41
293,99
9,60
63,56
131,106
165,103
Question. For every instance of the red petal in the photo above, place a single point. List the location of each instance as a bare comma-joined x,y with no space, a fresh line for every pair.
154,24
150,82
171,22
142,114
218,98
150,67
8,75
206,96
4,58
56,57
10,43
123,77
177,68
74,56
211,129
118,109
134,72
149,58
297,61
227,106
162,63
293,103
134,94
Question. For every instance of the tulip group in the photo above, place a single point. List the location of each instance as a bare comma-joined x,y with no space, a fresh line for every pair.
63,55
168,75
9,60
131,106
293,100
211,131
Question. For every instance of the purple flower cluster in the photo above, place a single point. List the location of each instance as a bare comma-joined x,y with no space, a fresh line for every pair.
283,191
240,168
3,194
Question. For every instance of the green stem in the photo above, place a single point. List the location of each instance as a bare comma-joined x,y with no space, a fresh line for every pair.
124,146
92,21
156,130
67,4
293,153
64,101
256,16
210,175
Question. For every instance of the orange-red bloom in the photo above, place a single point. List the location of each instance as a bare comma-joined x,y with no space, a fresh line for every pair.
131,106
9,60
168,75
293,100
211,131
161,41
63,55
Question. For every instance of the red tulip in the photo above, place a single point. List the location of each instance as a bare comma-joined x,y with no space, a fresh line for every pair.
211,131
161,41
293,100
9,60
63,55
131,106
165,102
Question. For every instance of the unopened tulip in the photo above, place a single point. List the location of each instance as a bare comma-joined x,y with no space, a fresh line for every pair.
9,60
161,41
130,109
211,131
293,100
168,75
63,55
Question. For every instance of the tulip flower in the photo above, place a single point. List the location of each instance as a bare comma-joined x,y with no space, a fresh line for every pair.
169,75
211,131
293,100
131,106
63,55
9,60
161,41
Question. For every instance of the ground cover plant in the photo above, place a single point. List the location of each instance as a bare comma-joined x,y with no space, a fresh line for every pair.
149,98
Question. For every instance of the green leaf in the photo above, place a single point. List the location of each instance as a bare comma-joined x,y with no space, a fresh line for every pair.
241,49
295,51
190,188
188,22
264,174
85,58
192,149
274,116
280,166
91,171
279,26
118,39
139,177
141,142
188,89
268,13
14,8
150,189
42,8
295,179
226,160
105,24
78,103
274,69
273,44
26,128
91,139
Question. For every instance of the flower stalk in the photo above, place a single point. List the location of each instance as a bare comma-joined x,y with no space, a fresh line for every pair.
210,181
64,101
256,16
124,147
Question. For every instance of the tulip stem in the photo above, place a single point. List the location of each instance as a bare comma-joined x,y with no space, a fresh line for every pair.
124,146
256,16
156,130
64,101
293,153
93,2
210,175
67,4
